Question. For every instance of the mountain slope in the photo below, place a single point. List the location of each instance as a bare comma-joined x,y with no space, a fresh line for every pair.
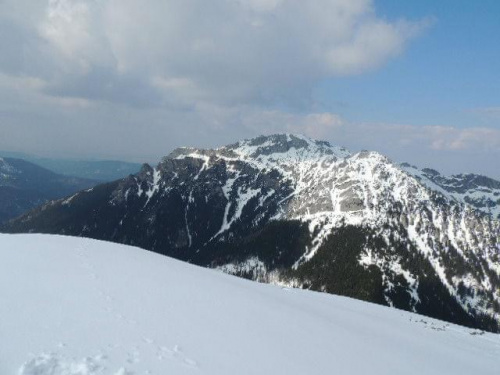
65,311
289,210
481,192
24,185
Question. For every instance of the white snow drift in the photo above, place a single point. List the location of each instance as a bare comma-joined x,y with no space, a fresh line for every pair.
72,306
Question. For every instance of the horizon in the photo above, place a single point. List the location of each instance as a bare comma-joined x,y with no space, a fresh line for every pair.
153,162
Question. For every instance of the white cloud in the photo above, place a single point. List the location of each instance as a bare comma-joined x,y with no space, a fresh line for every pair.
228,51
456,139
430,137
75,30
214,70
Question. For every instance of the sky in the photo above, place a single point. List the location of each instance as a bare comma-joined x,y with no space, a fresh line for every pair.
125,79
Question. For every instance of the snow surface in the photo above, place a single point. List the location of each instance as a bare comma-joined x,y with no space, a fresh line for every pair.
73,306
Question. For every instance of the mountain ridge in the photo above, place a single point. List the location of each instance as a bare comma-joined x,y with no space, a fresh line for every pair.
24,185
102,170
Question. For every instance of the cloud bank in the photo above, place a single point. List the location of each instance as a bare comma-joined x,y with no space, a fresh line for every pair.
181,52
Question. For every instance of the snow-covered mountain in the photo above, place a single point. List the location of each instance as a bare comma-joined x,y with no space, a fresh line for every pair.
292,211
73,306
481,192
24,185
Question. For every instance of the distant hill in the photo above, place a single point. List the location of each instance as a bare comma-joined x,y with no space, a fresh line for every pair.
100,170
24,185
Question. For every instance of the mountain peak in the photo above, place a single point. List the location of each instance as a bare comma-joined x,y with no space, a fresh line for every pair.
285,143
294,146
372,155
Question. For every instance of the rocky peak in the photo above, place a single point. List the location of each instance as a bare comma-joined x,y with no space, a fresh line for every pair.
285,144
276,147
146,170
430,172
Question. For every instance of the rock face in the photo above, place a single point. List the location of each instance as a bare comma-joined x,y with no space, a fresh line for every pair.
483,193
24,185
289,210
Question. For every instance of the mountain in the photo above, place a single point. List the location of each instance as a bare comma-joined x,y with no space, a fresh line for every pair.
73,306
292,211
24,185
99,170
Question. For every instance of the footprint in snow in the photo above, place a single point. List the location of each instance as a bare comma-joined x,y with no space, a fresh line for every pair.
179,355
164,352
133,357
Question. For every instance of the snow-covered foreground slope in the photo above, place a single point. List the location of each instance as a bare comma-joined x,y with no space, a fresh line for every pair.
73,306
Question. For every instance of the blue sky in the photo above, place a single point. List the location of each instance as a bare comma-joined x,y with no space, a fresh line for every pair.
121,79
446,74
